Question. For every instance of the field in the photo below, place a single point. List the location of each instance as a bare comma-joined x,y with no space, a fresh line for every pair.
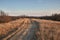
35,29
48,30
7,28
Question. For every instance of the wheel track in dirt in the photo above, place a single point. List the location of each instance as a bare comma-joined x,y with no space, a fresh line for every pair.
26,32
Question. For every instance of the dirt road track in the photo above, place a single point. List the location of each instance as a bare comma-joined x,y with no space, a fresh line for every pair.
27,32
31,32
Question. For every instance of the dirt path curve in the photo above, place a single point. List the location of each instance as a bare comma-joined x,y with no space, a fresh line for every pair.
32,31
28,31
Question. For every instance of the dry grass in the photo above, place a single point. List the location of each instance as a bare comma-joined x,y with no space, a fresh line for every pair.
48,30
8,28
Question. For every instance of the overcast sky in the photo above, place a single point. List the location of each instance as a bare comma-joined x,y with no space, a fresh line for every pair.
30,7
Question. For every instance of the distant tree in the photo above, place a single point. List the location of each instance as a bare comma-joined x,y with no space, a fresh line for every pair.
2,13
54,16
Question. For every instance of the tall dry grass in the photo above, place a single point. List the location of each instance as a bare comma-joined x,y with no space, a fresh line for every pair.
8,28
48,30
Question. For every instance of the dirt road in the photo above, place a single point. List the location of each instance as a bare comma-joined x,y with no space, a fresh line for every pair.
27,31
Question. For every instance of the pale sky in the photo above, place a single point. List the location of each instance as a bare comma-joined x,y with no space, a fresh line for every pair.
30,7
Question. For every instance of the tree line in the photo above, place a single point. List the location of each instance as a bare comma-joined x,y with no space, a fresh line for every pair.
55,17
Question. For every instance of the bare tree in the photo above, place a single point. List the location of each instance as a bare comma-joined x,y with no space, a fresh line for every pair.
2,13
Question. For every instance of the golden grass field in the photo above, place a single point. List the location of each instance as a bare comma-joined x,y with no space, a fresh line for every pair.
7,28
48,30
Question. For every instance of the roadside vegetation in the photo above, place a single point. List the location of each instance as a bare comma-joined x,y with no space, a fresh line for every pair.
4,17
48,30
8,28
